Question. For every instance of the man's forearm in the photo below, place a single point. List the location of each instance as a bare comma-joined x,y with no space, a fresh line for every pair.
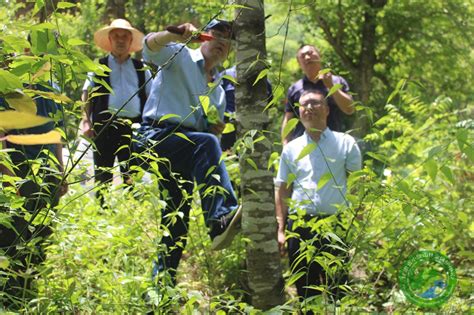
344,101
281,207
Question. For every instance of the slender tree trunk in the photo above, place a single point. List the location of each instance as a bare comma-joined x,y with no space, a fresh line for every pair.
258,223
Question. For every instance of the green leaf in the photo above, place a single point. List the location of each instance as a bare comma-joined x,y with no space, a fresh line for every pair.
51,137
21,102
229,127
252,163
76,42
11,119
230,78
205,101
306,150
66,5
290,125
4,262
334,89
182,135
431,168
324,180
260,76
168,116
448,173
9,82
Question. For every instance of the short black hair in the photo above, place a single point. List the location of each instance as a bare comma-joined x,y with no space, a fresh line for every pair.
314,91
304,44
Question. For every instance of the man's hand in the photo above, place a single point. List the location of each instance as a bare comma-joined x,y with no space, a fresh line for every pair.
188,31
282,242
217,128
86,128
327,79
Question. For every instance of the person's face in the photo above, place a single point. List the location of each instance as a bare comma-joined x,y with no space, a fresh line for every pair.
309,60
120,41
217,49
313,109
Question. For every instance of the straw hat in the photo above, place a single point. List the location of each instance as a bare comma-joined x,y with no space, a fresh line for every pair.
101,37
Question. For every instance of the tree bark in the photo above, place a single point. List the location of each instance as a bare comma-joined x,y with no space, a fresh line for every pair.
258,223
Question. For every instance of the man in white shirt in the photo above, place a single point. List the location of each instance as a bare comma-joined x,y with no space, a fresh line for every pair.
124,104
333,155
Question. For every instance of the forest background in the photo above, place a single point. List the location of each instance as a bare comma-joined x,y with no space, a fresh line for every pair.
409,64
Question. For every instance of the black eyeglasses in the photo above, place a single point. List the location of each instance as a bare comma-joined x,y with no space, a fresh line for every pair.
312,103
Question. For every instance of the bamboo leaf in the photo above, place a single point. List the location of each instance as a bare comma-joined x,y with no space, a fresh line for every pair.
51,137
182,135
11,119
65,5
306,150
252,163
168,116
260,76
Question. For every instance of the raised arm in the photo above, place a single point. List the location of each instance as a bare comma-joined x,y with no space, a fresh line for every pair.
158,40
343,100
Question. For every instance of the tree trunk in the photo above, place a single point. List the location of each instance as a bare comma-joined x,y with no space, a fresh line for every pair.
258,224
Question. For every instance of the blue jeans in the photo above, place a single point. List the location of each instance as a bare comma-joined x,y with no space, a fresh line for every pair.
186,161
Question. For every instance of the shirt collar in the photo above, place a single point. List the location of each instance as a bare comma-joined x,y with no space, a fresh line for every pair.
323,136
114,59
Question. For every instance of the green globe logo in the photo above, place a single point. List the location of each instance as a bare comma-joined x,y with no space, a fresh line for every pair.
427,279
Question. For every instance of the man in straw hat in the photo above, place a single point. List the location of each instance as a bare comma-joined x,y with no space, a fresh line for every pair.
178,126
112,137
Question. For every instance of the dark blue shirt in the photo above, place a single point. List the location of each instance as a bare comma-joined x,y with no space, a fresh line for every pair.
336,116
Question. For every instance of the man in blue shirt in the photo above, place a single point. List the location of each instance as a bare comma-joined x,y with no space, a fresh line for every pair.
334,154
176,126
112,138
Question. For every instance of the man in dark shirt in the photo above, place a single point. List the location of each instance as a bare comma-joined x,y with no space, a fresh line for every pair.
340,102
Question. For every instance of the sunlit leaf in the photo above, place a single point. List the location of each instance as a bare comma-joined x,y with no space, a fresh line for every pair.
21,102
307,150
45,68
228,128
4,262
76,42
252,163
65,5
324,180
51,137
168,116
182,135
261,75
58,98
11,119
290,125
9,82
205,101
334,89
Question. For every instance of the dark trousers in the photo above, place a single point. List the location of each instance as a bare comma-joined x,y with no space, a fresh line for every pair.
194,157
22,241
314,273
112,141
